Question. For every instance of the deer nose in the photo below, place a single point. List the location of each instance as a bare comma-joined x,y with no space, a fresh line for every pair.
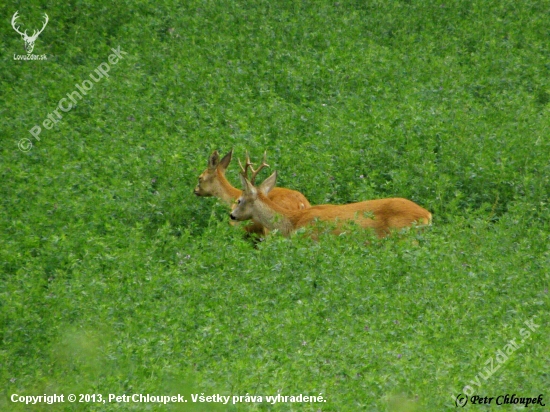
232,217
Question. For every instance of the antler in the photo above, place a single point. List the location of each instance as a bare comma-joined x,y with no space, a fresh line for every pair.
15,17
35,34
244,170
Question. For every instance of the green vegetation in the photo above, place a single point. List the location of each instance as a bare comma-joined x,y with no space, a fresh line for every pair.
116,279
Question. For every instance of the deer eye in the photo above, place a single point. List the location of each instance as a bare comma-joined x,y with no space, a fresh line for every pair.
238,201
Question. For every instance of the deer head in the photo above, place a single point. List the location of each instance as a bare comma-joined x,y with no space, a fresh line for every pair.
247,205
29,40
212,181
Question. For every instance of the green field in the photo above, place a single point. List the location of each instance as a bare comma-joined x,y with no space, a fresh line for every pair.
116,279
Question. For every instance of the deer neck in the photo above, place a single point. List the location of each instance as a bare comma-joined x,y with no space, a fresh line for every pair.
272,216
227,192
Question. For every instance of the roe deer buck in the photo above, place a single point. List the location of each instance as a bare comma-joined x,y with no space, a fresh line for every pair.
382,215
212,182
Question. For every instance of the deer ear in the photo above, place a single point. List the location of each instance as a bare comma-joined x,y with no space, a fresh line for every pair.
248,188
268,184
214,160
225,161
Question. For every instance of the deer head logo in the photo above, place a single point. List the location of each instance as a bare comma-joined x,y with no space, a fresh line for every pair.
29,40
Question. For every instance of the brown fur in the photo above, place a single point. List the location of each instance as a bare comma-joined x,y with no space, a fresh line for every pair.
382,215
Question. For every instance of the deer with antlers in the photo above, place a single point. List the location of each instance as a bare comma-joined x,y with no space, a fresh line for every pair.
29,40
382,215
212,182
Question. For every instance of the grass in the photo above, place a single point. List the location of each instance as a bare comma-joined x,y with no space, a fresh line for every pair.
115,279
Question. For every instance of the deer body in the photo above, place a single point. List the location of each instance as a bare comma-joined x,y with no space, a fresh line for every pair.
212,182
382,215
